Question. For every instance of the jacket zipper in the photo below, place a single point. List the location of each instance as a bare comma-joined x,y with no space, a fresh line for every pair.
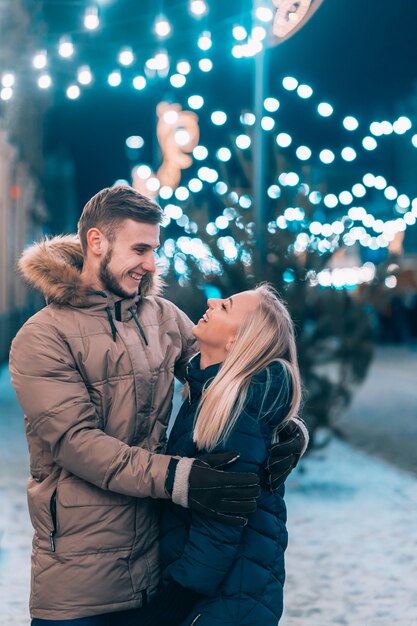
195,620
52,507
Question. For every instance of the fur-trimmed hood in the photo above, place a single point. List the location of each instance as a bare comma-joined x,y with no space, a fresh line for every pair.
53,266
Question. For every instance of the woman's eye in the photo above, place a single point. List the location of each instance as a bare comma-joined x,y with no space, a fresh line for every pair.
224,306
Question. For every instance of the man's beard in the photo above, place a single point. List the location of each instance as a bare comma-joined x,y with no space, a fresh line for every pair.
110,281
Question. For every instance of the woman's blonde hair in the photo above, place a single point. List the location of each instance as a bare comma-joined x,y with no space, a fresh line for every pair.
265,336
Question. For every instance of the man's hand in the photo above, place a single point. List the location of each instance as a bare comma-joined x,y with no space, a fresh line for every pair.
284,455
201,485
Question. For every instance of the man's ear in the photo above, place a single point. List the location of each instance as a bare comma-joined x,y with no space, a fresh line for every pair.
96,241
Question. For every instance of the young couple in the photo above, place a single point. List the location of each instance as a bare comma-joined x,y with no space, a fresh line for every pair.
129,529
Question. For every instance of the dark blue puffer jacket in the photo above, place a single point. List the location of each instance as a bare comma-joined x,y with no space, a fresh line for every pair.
239,570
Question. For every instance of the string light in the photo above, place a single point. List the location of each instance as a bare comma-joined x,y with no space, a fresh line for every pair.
239,33
126,57
183,67
195,102
44,81
198,8
205,65
325,109
162,27
139,83
114,78
66,47
84,75
40,60
219,118
243,141
73,92
6,93
91,19
204,41
178,80
264,14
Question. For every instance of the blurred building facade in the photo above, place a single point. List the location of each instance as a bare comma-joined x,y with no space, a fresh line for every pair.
22,208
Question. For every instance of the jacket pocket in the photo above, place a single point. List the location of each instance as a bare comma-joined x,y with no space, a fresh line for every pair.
52,533
91,519
75,493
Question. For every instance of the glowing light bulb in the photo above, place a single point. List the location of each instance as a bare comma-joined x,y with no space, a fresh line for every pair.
219,118
177,80
84,75
284,140
271,105
325,109
205,65
326,156
303,153
350,123
40,60
135,142
115,78
243,141
290,83
198,8
348,154
8,79
44,81
304,91
264,14
239,33
126,57
91,19
139,82
73,92
162,27
183,67
66,48
195,102
204,41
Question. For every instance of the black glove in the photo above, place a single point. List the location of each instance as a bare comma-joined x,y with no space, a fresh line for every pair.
284,455
228,497
169,607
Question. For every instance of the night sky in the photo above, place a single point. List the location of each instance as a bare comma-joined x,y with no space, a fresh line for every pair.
359,55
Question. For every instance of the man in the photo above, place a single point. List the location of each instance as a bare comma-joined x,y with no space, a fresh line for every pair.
94,373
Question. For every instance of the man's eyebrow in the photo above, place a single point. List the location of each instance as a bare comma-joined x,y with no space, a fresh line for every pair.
135,246
231,302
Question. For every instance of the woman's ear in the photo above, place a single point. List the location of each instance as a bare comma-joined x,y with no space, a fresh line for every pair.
230,344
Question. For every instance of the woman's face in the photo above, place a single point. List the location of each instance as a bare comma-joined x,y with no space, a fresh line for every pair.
220,323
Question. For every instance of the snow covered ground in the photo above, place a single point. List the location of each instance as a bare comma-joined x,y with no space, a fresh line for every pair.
352,557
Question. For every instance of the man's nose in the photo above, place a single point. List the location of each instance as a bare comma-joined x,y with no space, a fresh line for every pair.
149,262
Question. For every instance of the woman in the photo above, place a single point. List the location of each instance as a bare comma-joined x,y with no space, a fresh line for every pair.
244,387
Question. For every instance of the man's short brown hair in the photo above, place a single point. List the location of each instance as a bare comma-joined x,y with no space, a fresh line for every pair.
109,207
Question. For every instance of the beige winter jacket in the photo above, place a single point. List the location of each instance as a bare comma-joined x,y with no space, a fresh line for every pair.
94,376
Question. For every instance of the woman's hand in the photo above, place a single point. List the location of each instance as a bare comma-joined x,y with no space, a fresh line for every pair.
284,455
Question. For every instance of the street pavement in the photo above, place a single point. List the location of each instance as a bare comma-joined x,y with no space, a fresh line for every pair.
352,556
382,419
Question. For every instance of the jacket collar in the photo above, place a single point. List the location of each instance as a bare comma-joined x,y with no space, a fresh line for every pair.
199,378
53,266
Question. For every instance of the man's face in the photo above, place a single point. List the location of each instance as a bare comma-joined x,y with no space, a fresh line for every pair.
129,258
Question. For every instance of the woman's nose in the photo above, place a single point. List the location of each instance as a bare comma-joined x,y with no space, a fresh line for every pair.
211,303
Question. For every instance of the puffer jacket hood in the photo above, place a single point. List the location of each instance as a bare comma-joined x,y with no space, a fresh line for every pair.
53,266
94,375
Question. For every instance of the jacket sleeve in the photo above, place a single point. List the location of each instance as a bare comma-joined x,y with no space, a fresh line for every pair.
58,409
